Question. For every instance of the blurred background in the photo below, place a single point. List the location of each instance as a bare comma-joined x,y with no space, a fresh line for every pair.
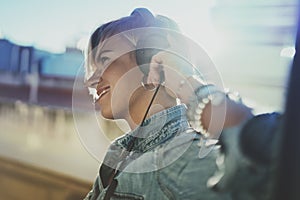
41,50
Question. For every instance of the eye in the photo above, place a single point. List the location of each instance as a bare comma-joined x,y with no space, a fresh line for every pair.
104,60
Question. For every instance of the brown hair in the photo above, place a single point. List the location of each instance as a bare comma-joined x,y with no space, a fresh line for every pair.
139,18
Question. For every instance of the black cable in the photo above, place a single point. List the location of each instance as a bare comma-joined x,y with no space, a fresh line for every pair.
130,146
112,182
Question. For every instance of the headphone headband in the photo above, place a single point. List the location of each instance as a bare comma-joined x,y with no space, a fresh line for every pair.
145,14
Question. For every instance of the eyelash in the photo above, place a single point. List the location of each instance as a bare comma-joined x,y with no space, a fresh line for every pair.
104,59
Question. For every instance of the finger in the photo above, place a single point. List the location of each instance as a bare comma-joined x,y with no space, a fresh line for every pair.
154,74
155,70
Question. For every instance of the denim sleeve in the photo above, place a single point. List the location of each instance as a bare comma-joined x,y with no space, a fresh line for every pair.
186,178
250,153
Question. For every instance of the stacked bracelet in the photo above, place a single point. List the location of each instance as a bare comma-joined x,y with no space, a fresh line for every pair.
204,95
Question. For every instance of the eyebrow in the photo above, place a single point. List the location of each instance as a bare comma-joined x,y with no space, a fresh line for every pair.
104,51
101,52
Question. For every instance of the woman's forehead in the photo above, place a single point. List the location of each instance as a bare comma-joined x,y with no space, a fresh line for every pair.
117,43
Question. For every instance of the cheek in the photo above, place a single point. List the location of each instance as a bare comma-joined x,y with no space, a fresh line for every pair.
125,83
123,91
120,92
114,77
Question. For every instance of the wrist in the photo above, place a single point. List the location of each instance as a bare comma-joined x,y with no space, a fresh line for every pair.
207,98
210,110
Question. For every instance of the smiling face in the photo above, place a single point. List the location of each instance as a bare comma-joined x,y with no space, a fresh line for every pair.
113,71
115,87
115,77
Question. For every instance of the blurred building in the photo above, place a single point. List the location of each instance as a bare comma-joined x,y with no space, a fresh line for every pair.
41,153
36,76
41,156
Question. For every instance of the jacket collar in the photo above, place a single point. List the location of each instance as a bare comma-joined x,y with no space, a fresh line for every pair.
156,130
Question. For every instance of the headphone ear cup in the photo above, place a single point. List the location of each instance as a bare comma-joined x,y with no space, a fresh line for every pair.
147,47
143,58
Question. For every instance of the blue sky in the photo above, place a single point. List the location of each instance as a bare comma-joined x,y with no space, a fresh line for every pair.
53,24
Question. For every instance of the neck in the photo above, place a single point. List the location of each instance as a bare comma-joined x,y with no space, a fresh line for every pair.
140,102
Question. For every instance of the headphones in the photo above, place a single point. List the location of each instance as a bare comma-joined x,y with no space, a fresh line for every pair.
155,38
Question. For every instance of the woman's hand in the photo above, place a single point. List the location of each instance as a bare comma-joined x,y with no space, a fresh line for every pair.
180,83
178,75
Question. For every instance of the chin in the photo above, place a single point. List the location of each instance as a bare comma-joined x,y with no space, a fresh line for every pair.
104,111
106,115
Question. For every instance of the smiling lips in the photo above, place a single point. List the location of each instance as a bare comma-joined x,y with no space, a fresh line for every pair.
102,91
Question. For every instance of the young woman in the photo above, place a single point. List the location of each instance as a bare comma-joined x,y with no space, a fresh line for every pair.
139,79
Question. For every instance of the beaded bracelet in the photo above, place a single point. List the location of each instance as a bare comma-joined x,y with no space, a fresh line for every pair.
204,95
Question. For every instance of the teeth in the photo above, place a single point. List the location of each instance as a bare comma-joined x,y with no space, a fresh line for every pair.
97,97
101,94
104,91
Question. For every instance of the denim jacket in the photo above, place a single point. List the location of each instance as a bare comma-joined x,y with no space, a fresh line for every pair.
163,163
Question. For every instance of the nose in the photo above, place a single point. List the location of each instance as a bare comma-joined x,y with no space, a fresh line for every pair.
93,85
93,81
